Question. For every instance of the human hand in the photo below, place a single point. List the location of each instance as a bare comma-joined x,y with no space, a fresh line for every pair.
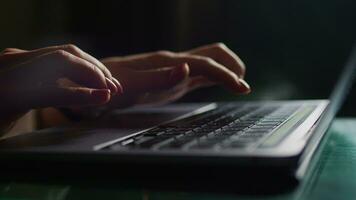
58,76
165,76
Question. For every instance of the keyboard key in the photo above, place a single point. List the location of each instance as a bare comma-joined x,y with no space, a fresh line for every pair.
154,133
227,126
154,141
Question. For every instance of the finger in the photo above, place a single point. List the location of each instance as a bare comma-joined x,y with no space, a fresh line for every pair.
19,55
118,85
223,55
199,66
111,85
63,82
73,50
59,97
134,81
209,68
59,64
13,56
81,54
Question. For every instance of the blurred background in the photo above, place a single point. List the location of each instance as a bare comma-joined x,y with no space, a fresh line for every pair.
292,49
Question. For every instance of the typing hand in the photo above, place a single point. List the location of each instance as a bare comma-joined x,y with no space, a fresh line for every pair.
53,76
164,76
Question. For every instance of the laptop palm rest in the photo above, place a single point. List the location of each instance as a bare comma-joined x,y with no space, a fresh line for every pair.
83,136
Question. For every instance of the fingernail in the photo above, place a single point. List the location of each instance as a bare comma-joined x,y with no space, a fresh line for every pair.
101,95
118,85
245,87
111,85
178,74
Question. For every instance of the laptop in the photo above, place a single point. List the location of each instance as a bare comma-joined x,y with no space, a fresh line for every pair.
248,140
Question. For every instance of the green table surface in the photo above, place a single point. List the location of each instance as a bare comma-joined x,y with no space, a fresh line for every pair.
332,175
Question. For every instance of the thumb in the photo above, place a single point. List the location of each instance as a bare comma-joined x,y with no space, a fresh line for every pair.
54,96
70,96
134,81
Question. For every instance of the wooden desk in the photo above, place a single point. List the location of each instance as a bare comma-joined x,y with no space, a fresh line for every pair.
332,176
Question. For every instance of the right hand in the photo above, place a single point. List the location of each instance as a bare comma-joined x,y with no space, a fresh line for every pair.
164,76
34,79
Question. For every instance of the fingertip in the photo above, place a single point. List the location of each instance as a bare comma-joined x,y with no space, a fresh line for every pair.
244,87
185,69
100,96
178,74
118,85
111,86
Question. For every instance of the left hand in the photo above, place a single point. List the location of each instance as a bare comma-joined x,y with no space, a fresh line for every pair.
39,78
164,76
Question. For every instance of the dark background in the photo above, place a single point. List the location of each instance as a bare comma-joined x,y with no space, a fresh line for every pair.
292,49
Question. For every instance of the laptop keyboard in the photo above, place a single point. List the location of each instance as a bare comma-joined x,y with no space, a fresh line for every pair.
226,127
